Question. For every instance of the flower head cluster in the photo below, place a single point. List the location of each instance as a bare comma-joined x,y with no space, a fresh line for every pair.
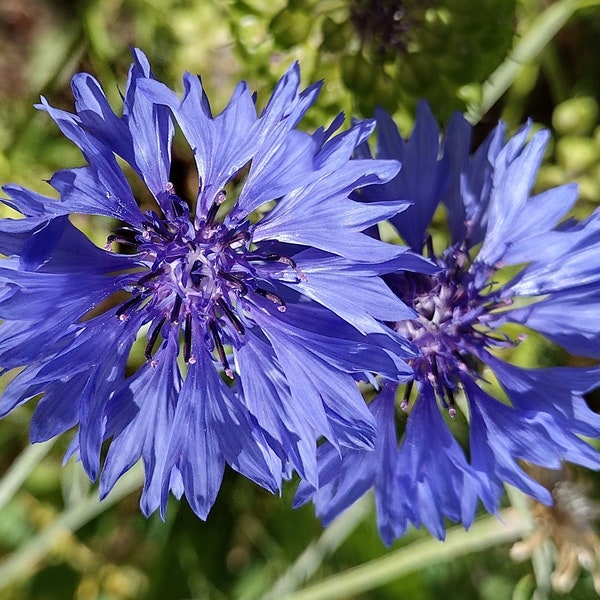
256,306
568,526
512,262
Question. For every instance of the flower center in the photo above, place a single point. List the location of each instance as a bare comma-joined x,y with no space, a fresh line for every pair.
453,311
193,276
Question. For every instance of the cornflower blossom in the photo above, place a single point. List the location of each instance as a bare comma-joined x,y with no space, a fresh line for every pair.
255,324
512,260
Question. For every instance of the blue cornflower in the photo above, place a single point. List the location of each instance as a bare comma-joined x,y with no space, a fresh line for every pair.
511,261
256,306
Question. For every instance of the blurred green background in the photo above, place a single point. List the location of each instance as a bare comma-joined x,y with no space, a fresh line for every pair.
493,58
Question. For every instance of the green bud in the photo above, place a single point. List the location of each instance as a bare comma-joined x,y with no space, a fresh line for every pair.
290,28
577,153
550,176
576,116
336,36
250,34
589,187
358,74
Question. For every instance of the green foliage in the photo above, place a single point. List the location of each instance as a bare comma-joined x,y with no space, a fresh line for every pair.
387,54
369,53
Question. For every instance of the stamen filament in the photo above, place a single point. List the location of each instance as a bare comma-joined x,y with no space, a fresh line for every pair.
237,324
406,397
174,317
152,339
237,283
187,338
214,331
120,312
214,208
142,281
273,298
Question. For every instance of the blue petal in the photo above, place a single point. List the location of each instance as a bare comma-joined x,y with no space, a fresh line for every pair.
476,184
328,399
392,518
343,479
151,129
277,169
97,116
58,410
336,152
142,136
286,106
501,434
151,395
53,295
39,247
30,203
267,396
325,335
434,478
347,474
558,391
100,188
194,446
102,337
221,146
320,215
512,183
456,150
56,245
569,318
338,285
21,344
422,179
210,428
528,238
562,259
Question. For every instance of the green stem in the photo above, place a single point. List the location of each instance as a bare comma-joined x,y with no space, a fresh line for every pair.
311,559
20,470
539,34
541,558
24,561
485,533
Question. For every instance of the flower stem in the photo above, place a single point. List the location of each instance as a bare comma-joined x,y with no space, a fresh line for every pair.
312,557
539,34
20,470
485,533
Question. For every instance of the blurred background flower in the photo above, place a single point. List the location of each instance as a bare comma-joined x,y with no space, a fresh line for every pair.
567,529
509,58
